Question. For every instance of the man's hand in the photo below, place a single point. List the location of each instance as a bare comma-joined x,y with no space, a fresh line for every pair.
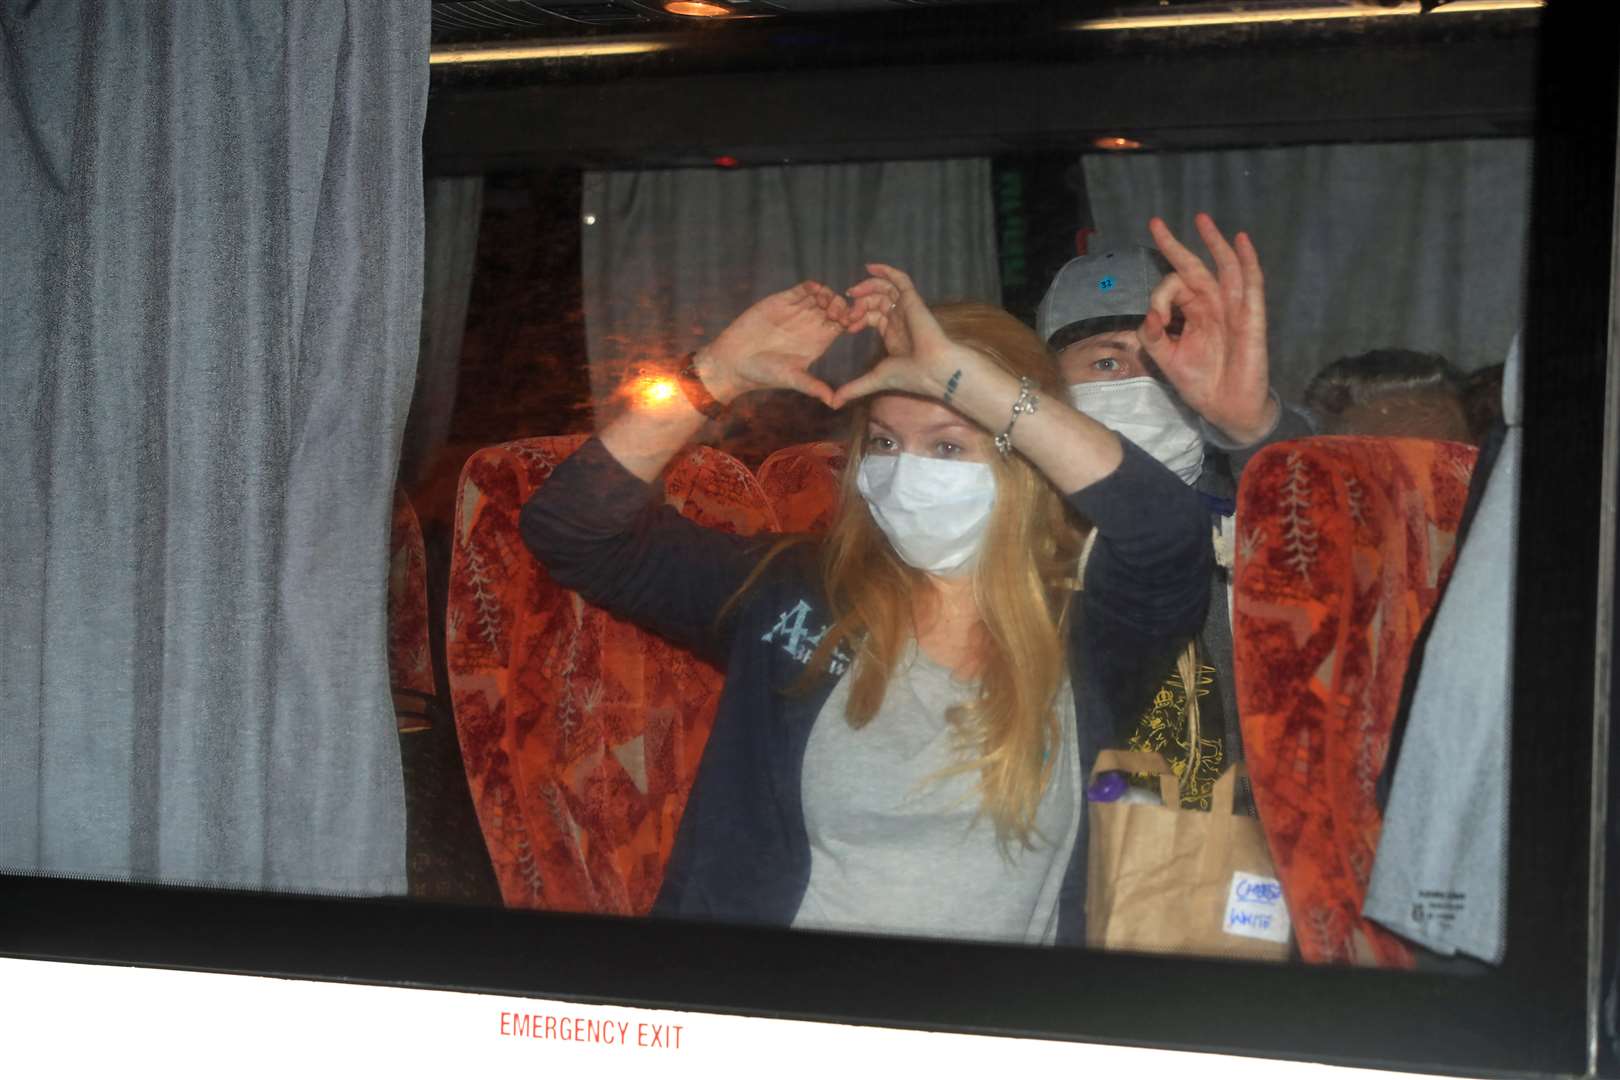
1218,363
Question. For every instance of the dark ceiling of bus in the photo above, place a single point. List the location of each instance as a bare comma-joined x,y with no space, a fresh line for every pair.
478,20
461,21
782,80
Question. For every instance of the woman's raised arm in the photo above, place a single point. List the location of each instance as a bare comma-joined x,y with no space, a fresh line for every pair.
769,346
591,523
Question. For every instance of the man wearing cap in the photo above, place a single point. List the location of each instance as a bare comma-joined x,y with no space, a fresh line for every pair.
1174,358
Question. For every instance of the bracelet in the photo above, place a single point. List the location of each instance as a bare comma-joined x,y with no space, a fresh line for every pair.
697,395
1027,402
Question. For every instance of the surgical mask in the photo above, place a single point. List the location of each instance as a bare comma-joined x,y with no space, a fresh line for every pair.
1144,411
933,511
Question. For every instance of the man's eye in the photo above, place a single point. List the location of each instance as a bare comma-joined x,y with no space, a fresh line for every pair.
1106,363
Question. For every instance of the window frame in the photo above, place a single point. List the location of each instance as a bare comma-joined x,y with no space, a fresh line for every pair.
1532,1015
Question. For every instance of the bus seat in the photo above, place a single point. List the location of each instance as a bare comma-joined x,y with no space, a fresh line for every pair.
803,483
410,659
581,734
1343,547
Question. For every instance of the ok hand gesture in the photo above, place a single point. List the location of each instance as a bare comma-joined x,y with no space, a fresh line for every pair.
1218,364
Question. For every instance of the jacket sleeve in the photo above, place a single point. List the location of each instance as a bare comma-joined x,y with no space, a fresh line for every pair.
599,532
1150,569
1292,423
1146,588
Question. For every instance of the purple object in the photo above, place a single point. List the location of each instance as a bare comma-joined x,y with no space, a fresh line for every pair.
1108,787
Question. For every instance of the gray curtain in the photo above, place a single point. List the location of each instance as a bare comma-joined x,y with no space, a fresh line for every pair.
455,207
1413,245
670,256
211,238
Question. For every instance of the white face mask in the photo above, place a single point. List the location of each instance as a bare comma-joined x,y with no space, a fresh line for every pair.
933,511
1144,411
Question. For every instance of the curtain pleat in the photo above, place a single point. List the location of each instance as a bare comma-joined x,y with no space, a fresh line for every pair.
671,256
213,234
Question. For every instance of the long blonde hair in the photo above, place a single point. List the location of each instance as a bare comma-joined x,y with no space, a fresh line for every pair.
1023,582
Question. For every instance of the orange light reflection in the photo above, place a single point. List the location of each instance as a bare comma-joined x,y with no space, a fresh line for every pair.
697,8
652,391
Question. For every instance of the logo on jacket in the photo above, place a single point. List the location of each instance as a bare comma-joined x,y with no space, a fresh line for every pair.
797,640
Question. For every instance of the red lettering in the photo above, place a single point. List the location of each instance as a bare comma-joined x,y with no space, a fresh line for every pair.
586,1029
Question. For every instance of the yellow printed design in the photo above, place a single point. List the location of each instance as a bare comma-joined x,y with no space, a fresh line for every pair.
1163,729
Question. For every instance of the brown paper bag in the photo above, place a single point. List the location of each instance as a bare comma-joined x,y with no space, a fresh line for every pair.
1164,879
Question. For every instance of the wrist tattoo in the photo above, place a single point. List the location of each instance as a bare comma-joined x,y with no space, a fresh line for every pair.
951,384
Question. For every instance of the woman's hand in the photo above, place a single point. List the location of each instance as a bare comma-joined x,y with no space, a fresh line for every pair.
920,357
1218,364
772,344
1071,449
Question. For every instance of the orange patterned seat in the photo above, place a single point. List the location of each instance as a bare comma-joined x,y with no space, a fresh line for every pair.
803,484
581,734
410,659
1344,545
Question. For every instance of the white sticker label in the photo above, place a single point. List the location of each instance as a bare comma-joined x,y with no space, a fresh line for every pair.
1255,908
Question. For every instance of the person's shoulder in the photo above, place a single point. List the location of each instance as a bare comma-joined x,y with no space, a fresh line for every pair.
791,571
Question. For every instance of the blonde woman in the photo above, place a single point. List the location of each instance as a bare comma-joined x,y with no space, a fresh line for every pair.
912,701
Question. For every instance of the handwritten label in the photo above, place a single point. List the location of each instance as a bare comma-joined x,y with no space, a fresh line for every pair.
1255,908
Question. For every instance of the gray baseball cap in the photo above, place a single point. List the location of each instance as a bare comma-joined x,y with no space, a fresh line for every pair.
1110,285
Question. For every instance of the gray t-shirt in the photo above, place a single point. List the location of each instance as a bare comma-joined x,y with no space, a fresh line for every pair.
894,849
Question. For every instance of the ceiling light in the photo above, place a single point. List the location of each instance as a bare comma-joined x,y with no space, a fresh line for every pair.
698,9
452,54
1296,13
1115,142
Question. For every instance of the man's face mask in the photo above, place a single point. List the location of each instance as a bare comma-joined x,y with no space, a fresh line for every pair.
933,511
1144,411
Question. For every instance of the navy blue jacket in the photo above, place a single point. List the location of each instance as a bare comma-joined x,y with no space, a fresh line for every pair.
742,854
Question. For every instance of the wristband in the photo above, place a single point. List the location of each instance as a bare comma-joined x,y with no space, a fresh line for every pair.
697,395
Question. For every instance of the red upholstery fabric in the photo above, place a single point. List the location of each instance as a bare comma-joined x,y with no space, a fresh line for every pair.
580,733
802,483
410,661
1343,547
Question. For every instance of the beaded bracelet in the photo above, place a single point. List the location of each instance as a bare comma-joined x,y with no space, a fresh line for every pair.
1027,403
